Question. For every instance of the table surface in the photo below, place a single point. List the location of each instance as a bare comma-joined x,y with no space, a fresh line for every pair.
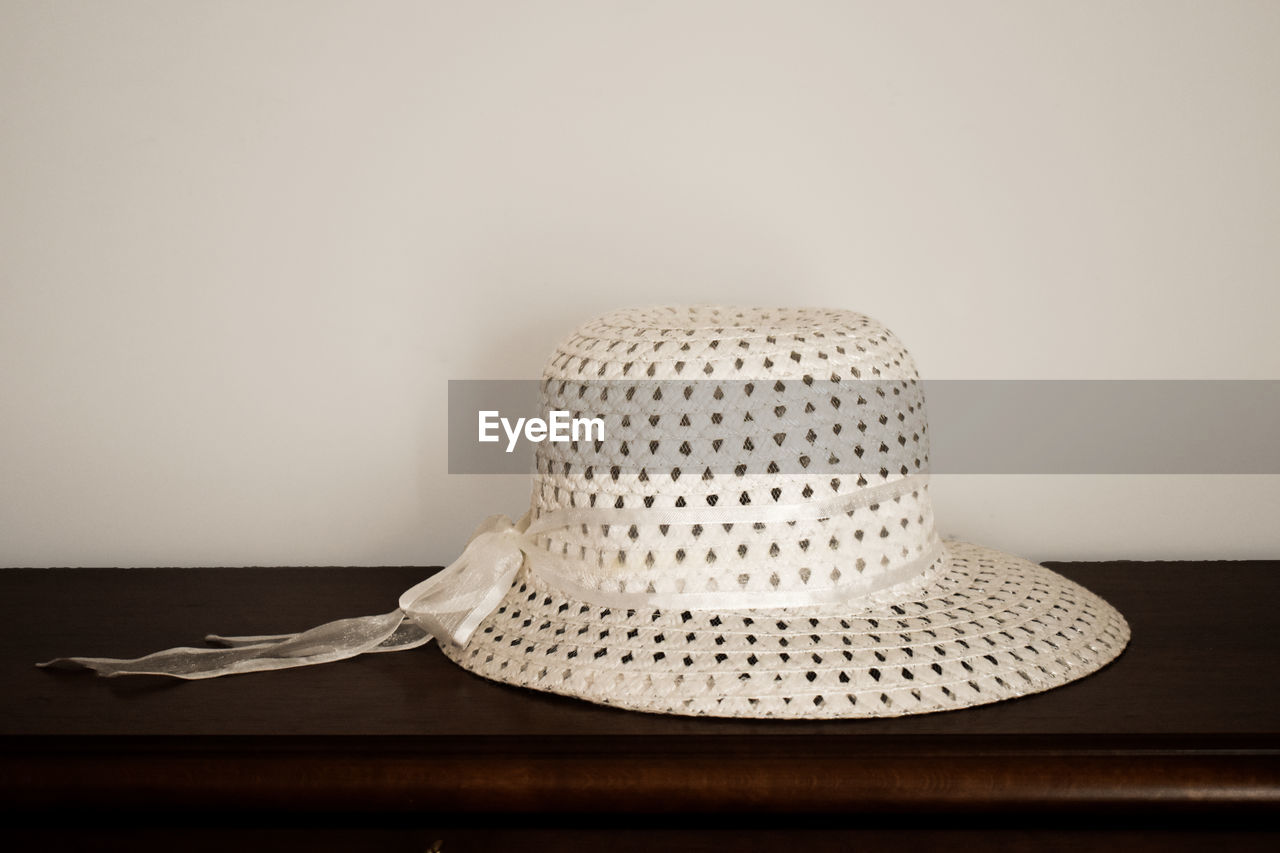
1187,718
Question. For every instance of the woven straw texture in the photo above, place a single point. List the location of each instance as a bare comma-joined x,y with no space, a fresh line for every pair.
799,612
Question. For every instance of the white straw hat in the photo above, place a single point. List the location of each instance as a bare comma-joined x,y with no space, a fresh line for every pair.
751,537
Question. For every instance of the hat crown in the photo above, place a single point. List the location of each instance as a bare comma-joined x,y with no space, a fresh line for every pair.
755,422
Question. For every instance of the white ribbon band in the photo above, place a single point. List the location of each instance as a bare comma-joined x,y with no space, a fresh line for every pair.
546,569
731,513
451,604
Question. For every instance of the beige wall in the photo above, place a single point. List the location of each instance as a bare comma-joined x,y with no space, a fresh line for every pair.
243,245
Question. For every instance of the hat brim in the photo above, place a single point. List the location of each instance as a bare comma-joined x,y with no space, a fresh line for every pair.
980,626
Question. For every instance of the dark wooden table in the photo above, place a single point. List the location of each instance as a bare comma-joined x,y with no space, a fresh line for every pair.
1173,746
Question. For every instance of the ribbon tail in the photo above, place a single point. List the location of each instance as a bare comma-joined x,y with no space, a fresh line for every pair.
247,640
332,641
449,606
408,636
